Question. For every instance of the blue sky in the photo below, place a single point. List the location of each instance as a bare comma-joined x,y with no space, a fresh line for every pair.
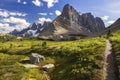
19,14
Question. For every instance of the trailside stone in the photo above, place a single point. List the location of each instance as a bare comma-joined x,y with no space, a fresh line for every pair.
47,66
36,58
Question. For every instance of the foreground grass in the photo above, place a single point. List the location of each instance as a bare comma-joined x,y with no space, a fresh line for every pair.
80,62
116,49
12,69
74,60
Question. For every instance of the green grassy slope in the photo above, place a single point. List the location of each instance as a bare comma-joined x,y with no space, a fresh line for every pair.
74,60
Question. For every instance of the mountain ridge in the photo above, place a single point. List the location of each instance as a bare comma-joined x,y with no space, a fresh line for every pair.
112,28
69,23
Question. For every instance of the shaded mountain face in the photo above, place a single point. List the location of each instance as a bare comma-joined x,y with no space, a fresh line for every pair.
112,28
76,23
69,23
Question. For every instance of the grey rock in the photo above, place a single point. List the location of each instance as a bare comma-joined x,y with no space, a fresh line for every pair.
47,66
35,58
93,24
30,66
76,23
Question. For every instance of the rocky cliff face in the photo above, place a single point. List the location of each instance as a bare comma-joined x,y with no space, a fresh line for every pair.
93,24
70,22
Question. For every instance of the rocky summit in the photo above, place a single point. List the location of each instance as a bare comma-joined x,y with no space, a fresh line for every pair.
70,24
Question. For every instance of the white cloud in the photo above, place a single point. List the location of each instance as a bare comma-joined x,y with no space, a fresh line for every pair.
50,13
110,22
37,2
105,17
50,3
16,21
43,14
42,20
5,28
18,1
57,12
110,8
17,14
5,13
9,24
24,2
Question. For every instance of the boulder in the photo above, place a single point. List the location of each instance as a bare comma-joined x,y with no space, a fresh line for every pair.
47,66
19,38
36,58
30,66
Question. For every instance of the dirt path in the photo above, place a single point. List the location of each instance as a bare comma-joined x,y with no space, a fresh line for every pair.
46,75
109,63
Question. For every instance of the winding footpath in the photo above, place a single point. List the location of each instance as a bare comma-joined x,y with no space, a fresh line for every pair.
46,75
109,67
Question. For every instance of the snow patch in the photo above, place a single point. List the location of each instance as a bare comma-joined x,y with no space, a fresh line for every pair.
33,32
41,29
36,35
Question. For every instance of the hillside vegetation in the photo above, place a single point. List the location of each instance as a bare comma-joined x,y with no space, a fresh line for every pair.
74,60
115,39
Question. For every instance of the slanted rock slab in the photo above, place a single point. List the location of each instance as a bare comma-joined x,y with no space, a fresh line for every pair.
47,66
30,66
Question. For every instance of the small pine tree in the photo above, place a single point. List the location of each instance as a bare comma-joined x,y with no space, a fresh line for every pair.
109,34
11,45
44,44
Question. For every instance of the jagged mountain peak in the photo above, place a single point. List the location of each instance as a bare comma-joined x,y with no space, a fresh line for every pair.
68,7
70,22
68,11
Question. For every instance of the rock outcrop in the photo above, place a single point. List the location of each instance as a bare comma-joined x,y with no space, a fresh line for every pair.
93,24
36,58
47,66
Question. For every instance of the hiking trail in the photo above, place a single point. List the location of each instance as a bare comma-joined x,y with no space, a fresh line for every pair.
109,67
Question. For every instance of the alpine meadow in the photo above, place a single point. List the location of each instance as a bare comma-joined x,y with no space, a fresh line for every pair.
59,40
